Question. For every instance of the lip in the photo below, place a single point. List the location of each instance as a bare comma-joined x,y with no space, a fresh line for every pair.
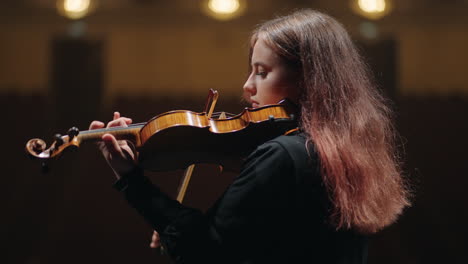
255,104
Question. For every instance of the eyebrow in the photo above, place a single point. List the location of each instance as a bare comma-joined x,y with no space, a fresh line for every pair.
259,63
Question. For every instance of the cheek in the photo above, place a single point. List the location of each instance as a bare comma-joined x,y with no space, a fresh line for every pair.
273,92
282,88
288,85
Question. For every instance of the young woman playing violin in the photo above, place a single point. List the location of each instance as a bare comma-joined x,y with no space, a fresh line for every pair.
313,195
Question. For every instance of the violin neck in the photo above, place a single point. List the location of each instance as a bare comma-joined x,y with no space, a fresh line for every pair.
121,133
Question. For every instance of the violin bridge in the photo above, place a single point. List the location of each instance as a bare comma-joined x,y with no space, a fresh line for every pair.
222,115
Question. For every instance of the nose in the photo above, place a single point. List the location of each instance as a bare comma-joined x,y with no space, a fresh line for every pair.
249,86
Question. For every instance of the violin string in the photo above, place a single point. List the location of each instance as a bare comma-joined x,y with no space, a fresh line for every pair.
217,114
137,124
110,129
214,115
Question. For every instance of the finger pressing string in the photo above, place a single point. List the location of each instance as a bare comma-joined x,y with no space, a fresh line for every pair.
111,143
121,121
96,124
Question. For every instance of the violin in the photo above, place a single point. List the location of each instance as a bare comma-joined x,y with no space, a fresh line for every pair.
179,138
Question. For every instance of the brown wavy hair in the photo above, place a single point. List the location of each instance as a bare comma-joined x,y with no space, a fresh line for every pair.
345,117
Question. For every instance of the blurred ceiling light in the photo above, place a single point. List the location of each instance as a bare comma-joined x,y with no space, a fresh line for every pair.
75,9
371,9
223,6
224,9
372,6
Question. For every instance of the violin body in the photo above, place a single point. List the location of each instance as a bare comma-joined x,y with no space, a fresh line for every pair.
177,139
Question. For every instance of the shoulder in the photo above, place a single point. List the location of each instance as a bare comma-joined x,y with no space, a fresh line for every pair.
298,147
281,149
271,156
293,144
293,153
285,145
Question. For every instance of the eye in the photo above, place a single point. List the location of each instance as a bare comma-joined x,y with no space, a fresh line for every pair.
261,73
260,70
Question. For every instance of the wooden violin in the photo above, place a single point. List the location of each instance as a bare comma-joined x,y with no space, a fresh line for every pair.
176,139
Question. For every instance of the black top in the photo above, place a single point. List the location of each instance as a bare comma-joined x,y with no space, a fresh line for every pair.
275,211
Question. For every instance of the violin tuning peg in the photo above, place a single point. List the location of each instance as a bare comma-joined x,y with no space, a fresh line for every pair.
73,132
271,118
58,140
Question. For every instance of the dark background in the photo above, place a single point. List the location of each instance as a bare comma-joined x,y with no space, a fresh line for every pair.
53,78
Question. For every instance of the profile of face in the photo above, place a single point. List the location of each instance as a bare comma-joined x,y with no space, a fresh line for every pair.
270,79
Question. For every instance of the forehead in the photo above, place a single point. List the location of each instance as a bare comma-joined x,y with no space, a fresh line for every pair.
263,54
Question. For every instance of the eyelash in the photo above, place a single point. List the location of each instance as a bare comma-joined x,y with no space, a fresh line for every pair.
261,73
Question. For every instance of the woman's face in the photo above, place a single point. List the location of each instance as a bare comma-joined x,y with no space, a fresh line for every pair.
270,80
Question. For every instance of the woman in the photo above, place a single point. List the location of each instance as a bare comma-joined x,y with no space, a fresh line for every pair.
314,195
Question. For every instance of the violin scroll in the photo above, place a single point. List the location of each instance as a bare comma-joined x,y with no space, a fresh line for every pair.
37,148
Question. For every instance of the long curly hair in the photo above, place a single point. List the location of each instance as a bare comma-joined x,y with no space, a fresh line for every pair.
345,117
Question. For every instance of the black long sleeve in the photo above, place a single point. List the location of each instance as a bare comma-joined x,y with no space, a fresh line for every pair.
270,213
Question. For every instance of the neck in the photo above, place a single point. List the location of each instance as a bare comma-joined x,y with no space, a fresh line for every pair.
120,133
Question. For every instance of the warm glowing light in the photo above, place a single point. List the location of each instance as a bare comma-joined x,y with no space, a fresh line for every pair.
372,6
76,6
372,9
75,9
224,9
223,6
